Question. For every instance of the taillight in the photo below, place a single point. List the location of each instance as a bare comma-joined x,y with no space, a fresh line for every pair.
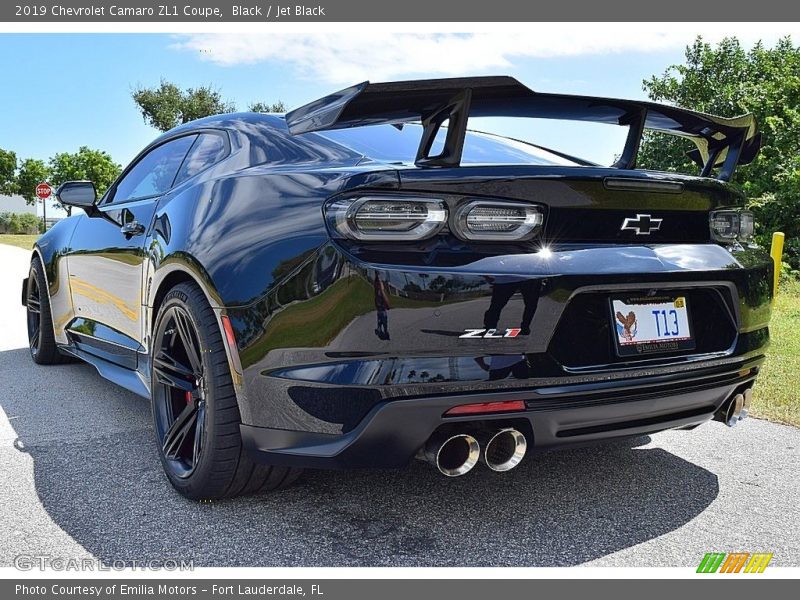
386,218
732,225
496,220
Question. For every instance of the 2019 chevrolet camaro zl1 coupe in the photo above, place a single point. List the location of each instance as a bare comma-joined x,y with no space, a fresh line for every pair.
366,280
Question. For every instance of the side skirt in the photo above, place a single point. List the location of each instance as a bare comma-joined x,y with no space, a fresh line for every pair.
132,381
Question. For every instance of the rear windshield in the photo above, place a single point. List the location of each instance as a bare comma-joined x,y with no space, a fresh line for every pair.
387,143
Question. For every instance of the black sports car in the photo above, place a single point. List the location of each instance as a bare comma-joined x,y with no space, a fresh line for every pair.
366,280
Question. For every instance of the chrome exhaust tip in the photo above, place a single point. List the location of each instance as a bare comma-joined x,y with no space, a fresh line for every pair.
452,454
731,411
748,399
504,449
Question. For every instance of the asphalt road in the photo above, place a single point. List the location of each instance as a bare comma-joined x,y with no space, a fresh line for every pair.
79,477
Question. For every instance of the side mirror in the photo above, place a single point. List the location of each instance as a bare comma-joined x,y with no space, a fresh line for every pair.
77,193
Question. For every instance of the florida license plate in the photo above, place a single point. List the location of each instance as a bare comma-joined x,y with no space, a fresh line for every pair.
645,325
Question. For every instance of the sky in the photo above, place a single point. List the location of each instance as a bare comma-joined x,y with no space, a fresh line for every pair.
62,91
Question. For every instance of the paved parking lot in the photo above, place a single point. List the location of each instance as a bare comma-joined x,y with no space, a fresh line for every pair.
80,477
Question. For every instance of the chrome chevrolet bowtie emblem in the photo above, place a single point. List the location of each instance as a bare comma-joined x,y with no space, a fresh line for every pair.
642,224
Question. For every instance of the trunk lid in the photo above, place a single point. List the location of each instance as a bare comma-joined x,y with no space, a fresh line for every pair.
588,204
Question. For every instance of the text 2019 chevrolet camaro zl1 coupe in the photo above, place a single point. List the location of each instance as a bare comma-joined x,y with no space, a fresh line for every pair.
366,280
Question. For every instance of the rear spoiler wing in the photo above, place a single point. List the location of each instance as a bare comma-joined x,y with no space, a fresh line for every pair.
720,142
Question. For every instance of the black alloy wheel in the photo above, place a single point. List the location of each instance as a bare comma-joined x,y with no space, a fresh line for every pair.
195,409
33,305
39,320
180,404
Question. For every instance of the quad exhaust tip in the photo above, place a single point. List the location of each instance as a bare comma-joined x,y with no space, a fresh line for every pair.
503,450
456,454
453,455
733,410
748,399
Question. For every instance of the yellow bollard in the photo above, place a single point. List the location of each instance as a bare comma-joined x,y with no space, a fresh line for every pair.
777,257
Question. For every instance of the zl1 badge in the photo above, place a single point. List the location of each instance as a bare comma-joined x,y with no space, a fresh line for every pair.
491,333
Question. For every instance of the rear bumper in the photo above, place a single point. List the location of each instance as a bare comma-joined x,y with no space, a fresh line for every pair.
393,431
331,378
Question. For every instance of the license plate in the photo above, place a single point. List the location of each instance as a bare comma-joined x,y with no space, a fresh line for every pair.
651,325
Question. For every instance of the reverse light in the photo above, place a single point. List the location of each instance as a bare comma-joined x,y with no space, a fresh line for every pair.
487,220
387,218
732,225
483,408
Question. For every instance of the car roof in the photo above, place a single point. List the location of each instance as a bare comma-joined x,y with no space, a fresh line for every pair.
267,125
239,121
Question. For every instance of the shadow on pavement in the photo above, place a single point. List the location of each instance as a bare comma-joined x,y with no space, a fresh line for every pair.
98,477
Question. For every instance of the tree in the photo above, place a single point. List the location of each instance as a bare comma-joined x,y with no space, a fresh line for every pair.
93,165
168,106
728,80
8,172
31,172
277,107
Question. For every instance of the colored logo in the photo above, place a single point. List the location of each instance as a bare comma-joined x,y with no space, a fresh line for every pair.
736,562
491,333
627,327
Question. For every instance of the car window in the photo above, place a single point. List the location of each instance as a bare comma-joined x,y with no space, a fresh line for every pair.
154,174
208,149
390,144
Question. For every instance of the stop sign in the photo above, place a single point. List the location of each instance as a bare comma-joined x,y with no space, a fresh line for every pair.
43,191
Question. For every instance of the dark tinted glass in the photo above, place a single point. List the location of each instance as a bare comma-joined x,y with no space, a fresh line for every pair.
207,150
153,175
389,144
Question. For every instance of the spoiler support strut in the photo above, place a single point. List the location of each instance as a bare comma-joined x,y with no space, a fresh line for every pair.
633,141
456,113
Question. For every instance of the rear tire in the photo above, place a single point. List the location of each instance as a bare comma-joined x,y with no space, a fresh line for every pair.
41,337
195,412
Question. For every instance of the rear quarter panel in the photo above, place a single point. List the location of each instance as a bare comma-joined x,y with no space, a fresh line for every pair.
234,233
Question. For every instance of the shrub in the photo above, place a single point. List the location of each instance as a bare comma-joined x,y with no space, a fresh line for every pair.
19,223
29,223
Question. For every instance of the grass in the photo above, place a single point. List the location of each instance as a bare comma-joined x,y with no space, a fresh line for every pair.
20,241
776,395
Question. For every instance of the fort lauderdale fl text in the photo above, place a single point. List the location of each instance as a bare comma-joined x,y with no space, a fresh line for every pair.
254,11
143,589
